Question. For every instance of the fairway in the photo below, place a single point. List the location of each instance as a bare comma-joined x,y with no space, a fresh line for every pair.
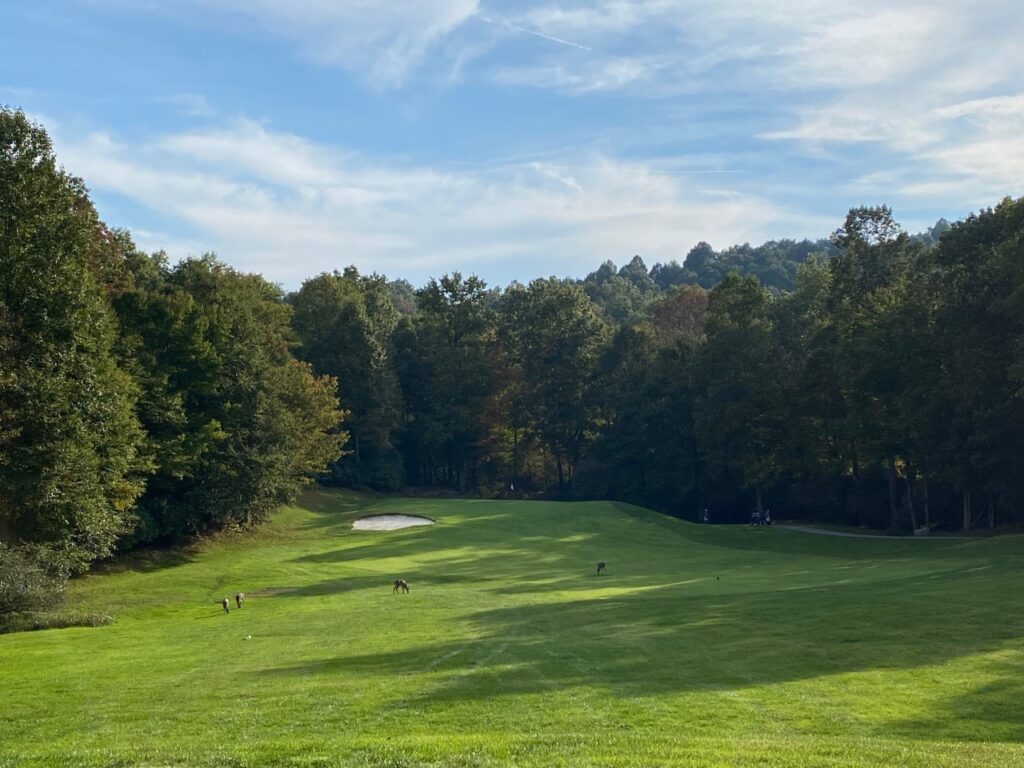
703,645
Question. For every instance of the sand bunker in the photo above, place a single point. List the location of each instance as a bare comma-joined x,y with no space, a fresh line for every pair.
389,522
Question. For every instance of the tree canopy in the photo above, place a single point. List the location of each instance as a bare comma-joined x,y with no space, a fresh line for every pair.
138,401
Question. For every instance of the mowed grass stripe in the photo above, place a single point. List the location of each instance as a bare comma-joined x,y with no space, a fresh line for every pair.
702,645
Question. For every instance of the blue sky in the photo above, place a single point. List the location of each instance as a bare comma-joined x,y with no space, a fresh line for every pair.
515,139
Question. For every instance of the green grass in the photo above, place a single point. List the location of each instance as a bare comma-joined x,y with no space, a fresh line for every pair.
704,645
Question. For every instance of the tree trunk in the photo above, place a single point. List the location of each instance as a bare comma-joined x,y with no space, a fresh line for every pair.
967,510
927,511
515,457
760,507
910,499
991,511
894,510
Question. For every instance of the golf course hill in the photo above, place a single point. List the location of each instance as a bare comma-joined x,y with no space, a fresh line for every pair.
698,645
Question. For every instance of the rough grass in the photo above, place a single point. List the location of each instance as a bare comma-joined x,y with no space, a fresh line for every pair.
703,645
31,621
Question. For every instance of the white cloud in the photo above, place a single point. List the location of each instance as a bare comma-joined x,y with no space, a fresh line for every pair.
923,99
289,208
965,154
245,146
855,119
384,41
938,87
994,105
822,48
996,161
864,49
592,76
657,47
176,248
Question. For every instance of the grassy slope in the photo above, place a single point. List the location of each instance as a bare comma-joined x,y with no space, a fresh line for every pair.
703,645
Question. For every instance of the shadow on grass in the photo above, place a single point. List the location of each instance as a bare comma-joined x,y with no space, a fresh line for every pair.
146,560
570,564
518,569
914,605
339,586
333,507
672,640
991,711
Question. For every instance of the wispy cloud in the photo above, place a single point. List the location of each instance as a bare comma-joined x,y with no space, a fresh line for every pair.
189,104
16,92
523,30
288,207
991,106
792,44
385,42
821,103
657,46
598,75
919,83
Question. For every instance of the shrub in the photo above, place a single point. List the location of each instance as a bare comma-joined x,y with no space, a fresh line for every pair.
27,582
30,622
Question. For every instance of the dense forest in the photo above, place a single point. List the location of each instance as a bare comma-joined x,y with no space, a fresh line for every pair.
871,378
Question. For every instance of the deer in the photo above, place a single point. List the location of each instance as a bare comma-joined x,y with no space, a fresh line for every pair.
600,568
226,605
400,584
239,598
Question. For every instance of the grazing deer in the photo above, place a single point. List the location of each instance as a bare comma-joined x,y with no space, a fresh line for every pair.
225,604
400,584
239,598
600,568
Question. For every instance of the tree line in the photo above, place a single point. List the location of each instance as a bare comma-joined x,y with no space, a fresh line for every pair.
873,378
140,401
876,380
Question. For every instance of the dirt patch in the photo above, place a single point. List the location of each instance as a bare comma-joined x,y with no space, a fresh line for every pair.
389,522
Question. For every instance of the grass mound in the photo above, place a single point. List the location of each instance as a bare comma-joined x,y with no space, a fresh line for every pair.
703,645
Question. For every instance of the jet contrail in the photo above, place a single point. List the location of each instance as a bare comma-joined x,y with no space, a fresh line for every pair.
535,33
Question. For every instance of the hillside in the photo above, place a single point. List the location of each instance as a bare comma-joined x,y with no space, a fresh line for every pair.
701,645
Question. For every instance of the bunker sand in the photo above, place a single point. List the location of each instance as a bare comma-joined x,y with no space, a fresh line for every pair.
389,522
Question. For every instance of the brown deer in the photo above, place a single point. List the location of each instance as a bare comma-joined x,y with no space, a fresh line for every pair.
226,605
600,568
400,584
239,598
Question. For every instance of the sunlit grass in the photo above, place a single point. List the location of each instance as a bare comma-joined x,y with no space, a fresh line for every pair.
703,645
